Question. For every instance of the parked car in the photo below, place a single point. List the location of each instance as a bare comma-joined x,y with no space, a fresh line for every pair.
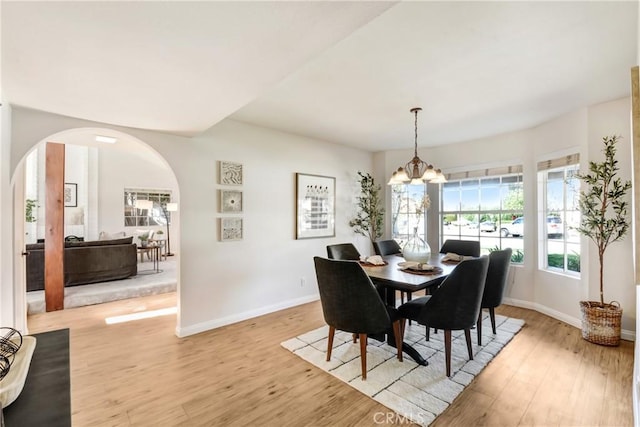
488,226
516,227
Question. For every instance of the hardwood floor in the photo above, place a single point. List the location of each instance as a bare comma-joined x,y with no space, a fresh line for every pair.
140,374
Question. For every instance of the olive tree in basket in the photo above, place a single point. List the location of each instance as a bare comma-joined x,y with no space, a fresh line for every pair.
603,208
369,219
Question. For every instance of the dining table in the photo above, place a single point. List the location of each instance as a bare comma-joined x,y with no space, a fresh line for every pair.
392,277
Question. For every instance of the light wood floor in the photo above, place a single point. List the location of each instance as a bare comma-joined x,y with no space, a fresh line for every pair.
140,374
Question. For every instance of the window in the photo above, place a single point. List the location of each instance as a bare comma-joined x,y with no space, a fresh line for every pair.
560,194
408,211
485,205
157,215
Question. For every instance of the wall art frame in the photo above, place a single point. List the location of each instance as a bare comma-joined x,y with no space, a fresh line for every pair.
70,195
231,201
315,206
230,173
231,229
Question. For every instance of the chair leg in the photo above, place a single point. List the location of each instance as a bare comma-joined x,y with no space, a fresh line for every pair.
447,350
401,297
479,327
332,331
363,355
397,331
426,334
355,338
467,336
492,314
409,299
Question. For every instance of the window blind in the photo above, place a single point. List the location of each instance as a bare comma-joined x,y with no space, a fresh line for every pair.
479,173
571,159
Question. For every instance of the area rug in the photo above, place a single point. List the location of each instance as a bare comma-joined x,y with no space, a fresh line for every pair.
417,393
45,399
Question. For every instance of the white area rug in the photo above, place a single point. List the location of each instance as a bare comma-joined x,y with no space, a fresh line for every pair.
418,393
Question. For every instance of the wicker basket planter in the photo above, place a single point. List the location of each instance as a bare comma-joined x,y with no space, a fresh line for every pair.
601,323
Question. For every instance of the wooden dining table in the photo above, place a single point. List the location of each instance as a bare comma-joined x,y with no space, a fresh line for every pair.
390,278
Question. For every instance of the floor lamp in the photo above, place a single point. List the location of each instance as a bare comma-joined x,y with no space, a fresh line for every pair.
169,207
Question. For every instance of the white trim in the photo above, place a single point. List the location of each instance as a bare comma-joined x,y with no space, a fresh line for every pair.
216,323
563,317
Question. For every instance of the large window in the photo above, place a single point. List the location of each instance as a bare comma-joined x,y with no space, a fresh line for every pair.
408,211
560,214
486,206
136,217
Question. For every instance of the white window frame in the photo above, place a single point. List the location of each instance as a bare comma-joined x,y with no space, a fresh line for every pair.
564,165
502,173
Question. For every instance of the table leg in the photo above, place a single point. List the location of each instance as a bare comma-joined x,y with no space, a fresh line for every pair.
389,296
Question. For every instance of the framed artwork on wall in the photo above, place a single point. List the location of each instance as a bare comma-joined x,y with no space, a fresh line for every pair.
230,173
315,206
230,229
230,201
70,195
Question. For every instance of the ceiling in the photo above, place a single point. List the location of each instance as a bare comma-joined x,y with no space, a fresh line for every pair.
344,72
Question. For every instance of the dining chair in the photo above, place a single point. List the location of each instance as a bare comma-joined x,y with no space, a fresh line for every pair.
391,247
386,247
454,306
351,303
343,251
461,247
499,263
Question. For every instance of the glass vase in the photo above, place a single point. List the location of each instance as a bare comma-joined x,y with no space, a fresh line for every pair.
416,249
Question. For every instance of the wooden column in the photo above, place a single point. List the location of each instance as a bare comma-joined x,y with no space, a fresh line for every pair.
54,227
635,132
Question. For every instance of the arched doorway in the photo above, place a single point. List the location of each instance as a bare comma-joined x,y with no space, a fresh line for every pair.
99,174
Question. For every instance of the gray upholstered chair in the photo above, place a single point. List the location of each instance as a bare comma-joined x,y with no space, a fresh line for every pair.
343,251
454,306
386,247
461,247
352,304
499,263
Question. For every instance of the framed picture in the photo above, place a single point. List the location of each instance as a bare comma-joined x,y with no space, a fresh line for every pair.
230,173
315,206
230,201
230,229
70,195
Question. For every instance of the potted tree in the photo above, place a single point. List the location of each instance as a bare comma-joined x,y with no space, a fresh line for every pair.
604,220
369,219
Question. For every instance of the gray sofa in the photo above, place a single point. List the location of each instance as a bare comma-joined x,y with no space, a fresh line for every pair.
86,262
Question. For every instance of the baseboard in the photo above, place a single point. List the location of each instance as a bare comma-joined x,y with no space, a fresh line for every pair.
563,317
216,323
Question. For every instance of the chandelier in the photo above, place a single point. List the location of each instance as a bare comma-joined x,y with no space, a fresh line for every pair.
416,171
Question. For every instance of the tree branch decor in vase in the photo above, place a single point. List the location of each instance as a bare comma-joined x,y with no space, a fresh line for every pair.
603,208
369,219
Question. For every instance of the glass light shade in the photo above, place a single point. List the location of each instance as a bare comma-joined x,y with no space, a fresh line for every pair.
429,173
439,179
402,175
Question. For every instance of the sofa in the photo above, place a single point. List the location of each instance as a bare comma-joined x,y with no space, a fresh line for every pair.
86,262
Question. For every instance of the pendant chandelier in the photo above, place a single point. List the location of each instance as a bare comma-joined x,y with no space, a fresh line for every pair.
416,171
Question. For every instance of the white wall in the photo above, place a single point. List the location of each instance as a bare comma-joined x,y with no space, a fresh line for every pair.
118,170
225,282
6,220
263,272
